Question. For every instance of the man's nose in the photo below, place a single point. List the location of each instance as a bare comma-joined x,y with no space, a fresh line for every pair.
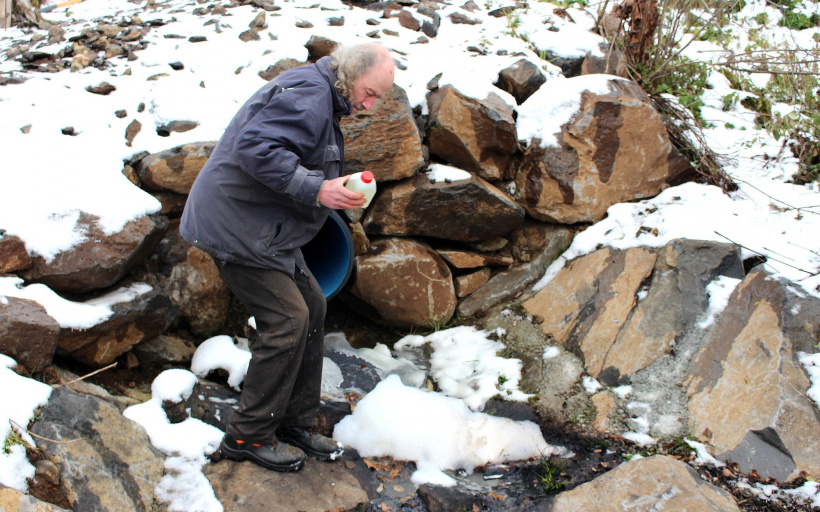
368,103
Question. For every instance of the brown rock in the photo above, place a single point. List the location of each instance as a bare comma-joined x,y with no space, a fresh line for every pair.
189,277
405,282
27,333
409,22
606,405
175,169
249,35
468,283
103,88
319,487
466,210
131,132
361,244
165,350
612,63
521,80
281,66
477,135
258,23
318,47
384,140
529,241
13,254
172,204
101,260
196,287
615,149
467,260
178,126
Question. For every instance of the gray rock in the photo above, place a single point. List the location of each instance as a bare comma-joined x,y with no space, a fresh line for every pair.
107,463
747,387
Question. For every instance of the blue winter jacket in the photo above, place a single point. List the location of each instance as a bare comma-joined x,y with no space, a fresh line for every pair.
255,202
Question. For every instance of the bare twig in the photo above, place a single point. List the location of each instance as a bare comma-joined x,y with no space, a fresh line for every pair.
16,425
767,256
805,248
789,207
86,376
784,72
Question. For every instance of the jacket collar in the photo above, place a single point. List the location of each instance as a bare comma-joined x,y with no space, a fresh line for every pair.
341,107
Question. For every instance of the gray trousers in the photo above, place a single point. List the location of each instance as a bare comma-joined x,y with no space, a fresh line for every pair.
284,379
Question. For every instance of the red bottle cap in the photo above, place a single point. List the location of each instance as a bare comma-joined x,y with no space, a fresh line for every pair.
367,176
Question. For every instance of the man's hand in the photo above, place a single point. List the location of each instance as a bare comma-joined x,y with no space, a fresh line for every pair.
333,194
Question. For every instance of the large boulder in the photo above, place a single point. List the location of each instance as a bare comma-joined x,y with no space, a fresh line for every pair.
405,283
622,310
467,210
174,169
747,388
106,461
587,304
101,260
384,140
476,135
614,149
672,302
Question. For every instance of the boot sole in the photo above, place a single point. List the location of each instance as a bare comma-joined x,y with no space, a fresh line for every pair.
241,455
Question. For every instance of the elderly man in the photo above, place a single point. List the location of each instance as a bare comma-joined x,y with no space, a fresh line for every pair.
264,193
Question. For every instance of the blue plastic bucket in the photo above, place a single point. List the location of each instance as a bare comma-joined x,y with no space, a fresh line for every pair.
329,256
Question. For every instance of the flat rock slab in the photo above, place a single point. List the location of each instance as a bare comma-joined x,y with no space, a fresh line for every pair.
318,487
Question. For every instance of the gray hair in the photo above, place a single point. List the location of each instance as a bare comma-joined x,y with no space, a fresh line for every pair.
351,62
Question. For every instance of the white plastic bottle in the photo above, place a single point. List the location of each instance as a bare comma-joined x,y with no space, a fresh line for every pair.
365,183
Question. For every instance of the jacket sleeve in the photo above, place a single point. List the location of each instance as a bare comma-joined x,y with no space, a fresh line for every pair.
283,134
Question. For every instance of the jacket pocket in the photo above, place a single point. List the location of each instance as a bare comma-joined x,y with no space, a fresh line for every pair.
268,243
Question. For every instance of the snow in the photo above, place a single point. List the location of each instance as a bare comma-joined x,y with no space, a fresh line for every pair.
220,352
446,173
811,362
48,179
21,396
439,430
465,365
436,431
553,105
718,291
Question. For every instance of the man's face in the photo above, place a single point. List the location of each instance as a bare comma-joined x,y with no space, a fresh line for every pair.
372,85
